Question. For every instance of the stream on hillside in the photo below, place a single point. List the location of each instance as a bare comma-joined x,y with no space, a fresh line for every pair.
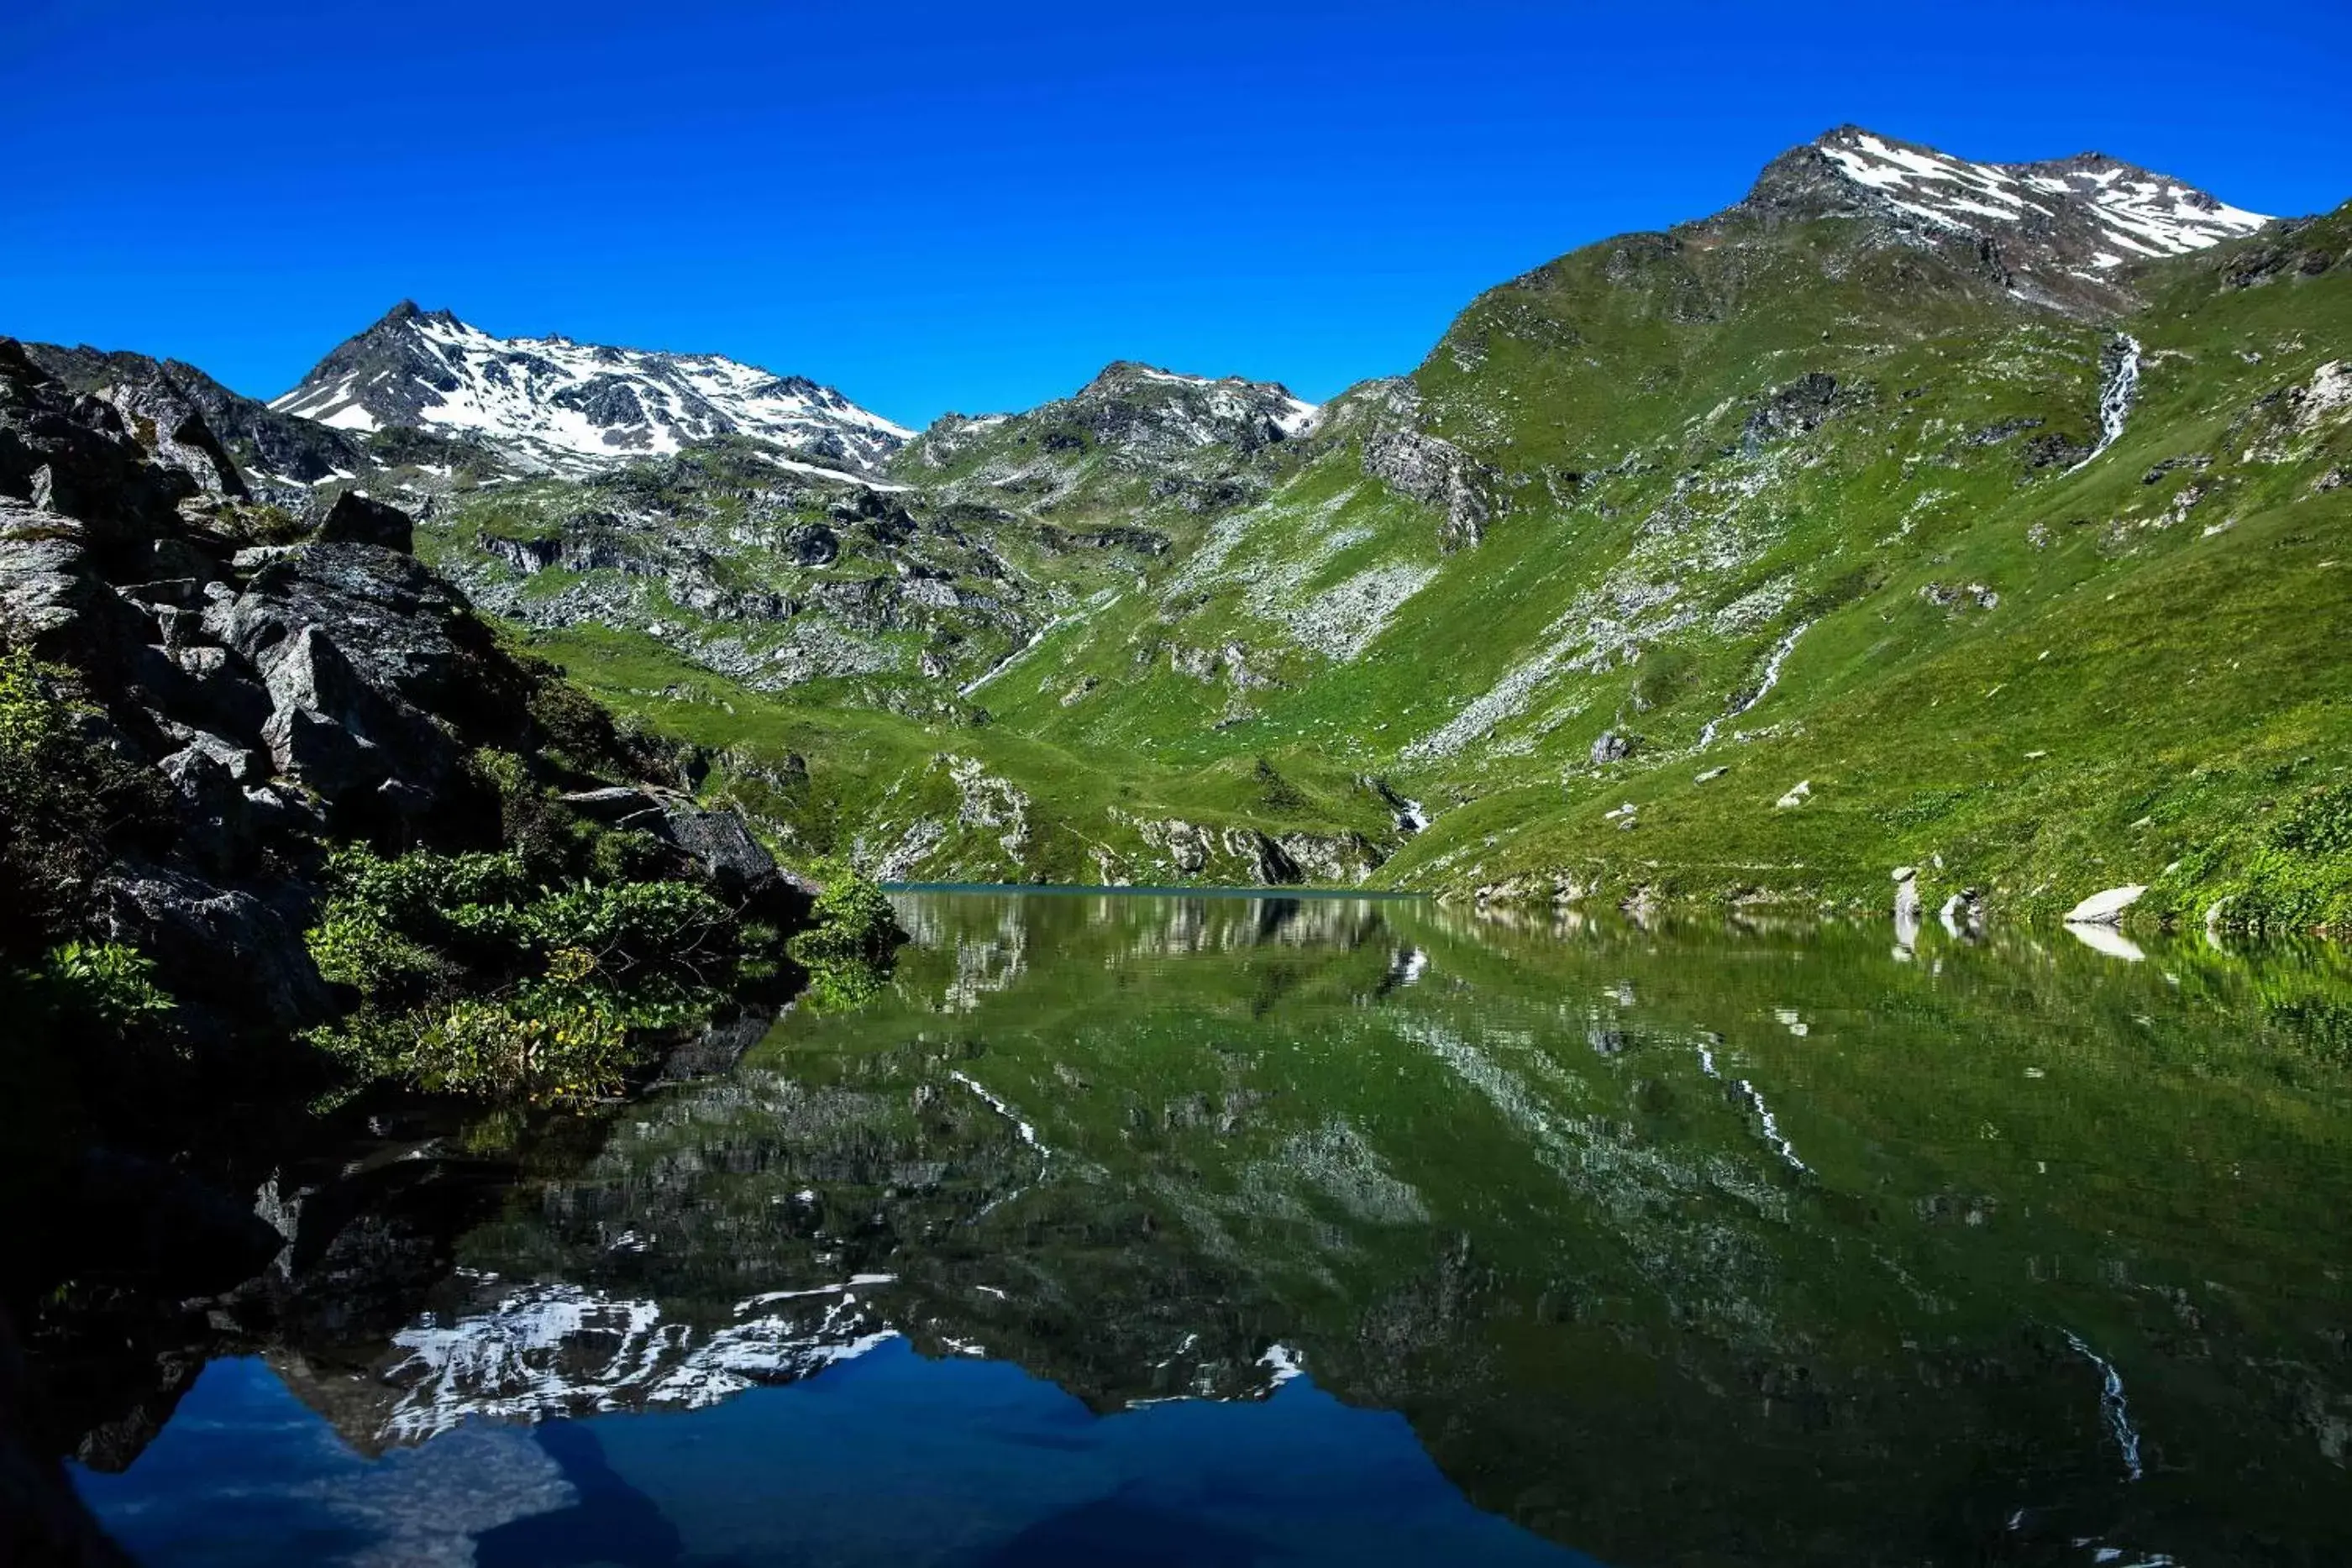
1176,1230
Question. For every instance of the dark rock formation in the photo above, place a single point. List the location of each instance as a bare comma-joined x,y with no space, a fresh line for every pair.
354,519
285,697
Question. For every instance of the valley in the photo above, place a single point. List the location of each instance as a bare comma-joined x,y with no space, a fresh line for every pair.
1980,519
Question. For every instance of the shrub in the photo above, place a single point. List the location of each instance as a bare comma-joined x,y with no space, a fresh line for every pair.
2300,877
476,981
853,919
64,800
107,983
668,927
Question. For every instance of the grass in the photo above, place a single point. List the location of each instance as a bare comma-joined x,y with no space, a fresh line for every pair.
2031,679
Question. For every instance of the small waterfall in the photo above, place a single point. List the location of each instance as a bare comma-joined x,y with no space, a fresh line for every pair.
2115,396
1780,656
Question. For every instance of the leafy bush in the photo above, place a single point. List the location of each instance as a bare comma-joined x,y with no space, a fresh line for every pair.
563,1039
108,983
63,801
848,951
852,920
2300,878
476,981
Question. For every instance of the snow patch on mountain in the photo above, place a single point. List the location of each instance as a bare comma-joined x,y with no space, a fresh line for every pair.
1293,415
573,407
2135,214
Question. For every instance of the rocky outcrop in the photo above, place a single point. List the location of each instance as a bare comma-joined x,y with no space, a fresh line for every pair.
1242,856
1425,468
1794,410
354,519
286,696
276,452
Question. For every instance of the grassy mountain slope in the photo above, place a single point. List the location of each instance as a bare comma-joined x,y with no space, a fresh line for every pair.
2150,659
1808,493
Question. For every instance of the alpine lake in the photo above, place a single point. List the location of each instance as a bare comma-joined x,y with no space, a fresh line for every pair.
1173,1228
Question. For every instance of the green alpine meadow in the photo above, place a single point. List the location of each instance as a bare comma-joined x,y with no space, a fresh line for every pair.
1810,496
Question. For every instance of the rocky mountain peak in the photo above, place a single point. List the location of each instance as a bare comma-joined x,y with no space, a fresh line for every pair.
557,406
2062,231
1209,409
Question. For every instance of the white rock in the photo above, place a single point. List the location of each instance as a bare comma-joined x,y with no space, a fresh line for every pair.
2105,908
1906,905
1796,796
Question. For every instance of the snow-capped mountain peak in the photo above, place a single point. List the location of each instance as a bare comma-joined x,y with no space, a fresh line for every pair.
2143,214
570,407
2060,230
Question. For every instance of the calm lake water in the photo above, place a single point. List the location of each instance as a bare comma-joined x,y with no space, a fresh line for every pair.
1174,1230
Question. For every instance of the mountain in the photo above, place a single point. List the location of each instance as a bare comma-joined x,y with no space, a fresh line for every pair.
269,446
564,407
2059,233
1875,521
1131,420
1910,512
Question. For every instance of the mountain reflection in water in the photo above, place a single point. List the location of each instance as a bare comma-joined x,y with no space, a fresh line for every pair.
1208,1230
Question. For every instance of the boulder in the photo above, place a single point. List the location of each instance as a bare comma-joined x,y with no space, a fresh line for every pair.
734,863
395,621
217,827
219,947
280,810
322,754
356,519
336,731
52,602
218,694
245,765
2107,907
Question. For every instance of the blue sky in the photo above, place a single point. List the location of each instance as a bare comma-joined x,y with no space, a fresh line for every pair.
973,207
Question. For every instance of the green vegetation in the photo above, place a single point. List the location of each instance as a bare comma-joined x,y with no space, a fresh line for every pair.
106,984
859,784
1771,503
852,940
471,980
65,800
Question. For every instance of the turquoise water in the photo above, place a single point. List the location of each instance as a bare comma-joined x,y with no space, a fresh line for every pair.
1170,1229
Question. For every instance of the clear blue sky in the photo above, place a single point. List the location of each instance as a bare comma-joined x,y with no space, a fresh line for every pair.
973,207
